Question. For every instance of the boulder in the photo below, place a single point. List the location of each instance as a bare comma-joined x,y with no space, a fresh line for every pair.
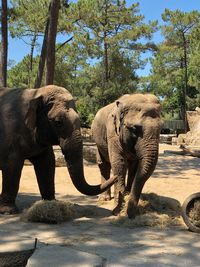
192,137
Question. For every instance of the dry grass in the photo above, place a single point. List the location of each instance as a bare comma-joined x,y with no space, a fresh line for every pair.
194,214
52,212
154,211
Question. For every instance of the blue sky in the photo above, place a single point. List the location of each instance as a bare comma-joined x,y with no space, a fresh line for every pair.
151,9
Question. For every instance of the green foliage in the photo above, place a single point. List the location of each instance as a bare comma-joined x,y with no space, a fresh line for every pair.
107,39
19,76
173,64
102,27
99,64
28,17
85,112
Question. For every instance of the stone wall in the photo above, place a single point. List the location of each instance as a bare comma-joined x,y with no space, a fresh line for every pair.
89,155
192,137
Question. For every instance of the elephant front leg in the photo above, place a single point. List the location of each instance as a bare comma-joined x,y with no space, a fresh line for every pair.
119,170
11,174
136,190
144,171
44,165
105,169
132,169
132,209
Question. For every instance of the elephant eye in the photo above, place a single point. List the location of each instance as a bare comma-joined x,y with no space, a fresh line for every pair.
131,128
134,128
58,123
151,113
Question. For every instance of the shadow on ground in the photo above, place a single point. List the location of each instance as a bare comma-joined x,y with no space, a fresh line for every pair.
176,166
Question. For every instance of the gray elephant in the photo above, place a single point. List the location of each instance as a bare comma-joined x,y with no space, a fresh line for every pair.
31,121
127,136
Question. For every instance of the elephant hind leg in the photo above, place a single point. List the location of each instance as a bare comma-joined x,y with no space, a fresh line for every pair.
105,169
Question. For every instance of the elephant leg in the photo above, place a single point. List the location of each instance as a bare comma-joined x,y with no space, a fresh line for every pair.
119,169
119,193
132,169
135,193
105,169
11,174
44,165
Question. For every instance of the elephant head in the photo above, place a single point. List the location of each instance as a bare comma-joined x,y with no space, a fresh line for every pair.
138,124
53,119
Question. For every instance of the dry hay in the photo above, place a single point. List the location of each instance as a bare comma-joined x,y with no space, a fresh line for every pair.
194,214
154,211
54,211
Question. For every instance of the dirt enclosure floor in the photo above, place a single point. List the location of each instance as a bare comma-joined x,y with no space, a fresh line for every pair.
95,239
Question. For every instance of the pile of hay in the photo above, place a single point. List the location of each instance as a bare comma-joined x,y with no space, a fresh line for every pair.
53,212
154,211
194,214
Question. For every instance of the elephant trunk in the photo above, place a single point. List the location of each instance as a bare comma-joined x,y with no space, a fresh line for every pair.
146,165
72,149
149,158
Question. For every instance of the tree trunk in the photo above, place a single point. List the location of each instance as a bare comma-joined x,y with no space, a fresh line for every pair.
106,58
185,82
106,77
31,59
4,48
40,71
52,31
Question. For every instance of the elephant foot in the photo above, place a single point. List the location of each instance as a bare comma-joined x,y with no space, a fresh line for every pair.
8,209
132,209
120,203
116,211
126,193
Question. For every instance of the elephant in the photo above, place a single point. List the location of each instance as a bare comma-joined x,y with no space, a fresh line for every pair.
31,122
126,133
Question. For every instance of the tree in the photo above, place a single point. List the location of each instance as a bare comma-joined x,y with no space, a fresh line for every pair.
171,64
177,31
27,23
18,76
51,40
104,27
43,55
32,19
4,44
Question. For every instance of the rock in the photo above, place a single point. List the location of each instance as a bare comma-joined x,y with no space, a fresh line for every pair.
89,152
54,255
192,137
60,160
174,141
166,138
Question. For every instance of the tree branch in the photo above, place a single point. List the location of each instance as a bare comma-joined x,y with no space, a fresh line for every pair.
60,46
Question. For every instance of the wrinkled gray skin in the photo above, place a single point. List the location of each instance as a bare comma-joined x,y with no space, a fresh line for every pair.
127,136
31,121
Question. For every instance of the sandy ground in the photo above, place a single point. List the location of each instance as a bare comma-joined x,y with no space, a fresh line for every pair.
175,177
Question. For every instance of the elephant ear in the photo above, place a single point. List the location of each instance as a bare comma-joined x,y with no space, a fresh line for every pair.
118,112
31,115
118,116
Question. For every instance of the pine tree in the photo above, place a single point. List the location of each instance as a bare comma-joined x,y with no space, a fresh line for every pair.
51,40
4,44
